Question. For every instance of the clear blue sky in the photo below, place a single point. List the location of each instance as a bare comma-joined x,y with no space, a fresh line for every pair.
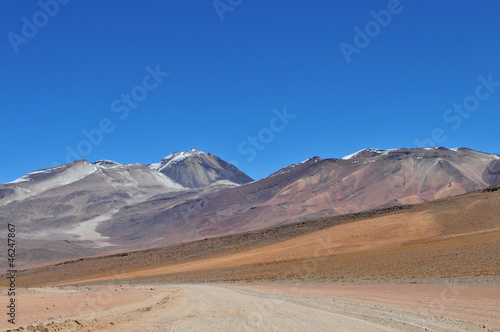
227,75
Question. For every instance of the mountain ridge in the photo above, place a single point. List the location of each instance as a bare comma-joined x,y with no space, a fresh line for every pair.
84,208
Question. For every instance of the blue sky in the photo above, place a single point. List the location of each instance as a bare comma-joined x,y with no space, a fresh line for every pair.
234,68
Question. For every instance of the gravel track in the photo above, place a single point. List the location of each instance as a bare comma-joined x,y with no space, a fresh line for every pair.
199,307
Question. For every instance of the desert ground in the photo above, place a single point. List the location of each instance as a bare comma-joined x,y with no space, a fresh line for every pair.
244,307
432,266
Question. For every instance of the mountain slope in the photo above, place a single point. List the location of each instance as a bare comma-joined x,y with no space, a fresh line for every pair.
80,208
317,188
195,169
420,241
56,210
314,188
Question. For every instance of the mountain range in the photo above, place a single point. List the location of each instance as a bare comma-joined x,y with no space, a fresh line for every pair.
82,208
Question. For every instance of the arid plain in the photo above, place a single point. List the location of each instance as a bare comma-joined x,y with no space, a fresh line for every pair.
433,266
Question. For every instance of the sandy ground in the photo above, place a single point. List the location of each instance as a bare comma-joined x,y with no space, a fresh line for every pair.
475,304
391,231
444,240
412,271
266,307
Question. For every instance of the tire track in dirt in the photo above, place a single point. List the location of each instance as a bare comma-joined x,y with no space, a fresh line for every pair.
198,307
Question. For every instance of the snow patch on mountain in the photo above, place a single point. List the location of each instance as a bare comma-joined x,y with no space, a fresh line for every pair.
305,161
27,177
379,151
174,158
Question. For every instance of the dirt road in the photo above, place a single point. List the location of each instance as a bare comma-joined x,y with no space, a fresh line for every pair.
214,308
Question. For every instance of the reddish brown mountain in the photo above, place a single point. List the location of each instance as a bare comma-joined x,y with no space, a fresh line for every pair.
366,180
80,209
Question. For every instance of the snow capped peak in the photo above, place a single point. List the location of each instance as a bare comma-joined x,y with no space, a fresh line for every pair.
184,154
174,158
372,150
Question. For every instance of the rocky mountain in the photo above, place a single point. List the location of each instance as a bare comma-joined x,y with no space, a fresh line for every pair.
366,180
135,179
56,210
83,208
196,169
